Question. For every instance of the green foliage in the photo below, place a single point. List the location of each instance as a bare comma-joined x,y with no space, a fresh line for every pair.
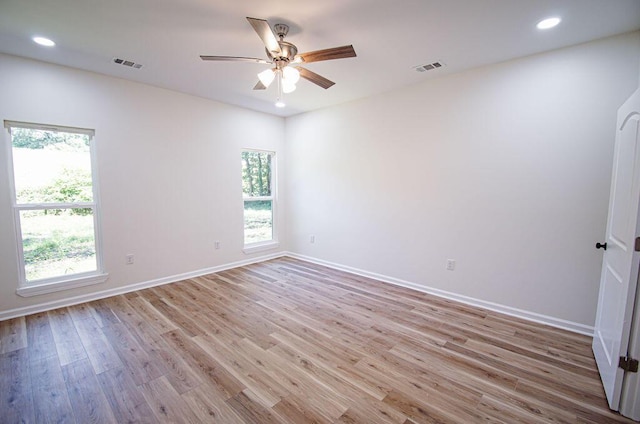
55,245
39,139
70,186
260,205
258,221
58,247
256,173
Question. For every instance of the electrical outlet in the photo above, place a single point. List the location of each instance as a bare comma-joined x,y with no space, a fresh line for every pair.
312,239
216,244
129,259
451,264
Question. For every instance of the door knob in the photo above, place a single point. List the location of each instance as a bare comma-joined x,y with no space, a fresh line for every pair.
601,246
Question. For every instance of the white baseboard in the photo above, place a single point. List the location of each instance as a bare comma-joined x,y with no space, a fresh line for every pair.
496,307
47,306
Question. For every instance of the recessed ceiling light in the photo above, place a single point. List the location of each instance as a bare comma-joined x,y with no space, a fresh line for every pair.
44,41
548,23
280,104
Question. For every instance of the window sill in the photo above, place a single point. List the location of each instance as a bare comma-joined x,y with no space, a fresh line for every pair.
260,247
36,289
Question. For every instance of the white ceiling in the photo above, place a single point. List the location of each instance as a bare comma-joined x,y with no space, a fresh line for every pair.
390,39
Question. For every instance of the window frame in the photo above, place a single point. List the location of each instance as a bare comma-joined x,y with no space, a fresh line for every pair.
267,244
63,282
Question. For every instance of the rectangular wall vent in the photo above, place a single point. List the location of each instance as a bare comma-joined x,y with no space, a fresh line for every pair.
128,63
429,66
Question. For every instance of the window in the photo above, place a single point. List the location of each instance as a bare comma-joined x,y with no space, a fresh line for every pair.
259,200
55,207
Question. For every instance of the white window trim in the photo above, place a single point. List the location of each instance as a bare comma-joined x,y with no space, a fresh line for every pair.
261,246
60,283
78,280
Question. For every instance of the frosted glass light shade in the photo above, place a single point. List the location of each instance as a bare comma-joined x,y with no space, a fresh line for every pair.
266,77
290,75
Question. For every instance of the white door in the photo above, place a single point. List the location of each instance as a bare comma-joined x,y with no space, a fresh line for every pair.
621,263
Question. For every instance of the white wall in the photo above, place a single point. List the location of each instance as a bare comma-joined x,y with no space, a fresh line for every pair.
169,171
505,169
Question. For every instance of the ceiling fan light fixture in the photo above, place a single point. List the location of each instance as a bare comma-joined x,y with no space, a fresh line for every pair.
290,75
267,77
283,55
288,87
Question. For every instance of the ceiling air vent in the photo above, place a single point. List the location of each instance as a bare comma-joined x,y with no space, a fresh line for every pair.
429,66
128,63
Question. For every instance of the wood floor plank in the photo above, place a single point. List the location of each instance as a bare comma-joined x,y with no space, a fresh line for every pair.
372,411
49,392
40,342
524,374
50,396
325,401
68,343
353,394
13,334
288,341
167,405
435,360
421,411
87,399
128,405
580,408
211,370
516,347
210,408
152,316
582,386
366,383
251,411
178,317
156,355
293,410
243,322
138,363
412,387
268,390
100,352
16,402
104,312
521,412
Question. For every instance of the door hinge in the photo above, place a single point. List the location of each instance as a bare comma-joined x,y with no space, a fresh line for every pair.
628,364
637,247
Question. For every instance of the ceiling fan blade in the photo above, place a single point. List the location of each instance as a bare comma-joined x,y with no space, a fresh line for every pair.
328,54
260,86
266,34
315,78
234,59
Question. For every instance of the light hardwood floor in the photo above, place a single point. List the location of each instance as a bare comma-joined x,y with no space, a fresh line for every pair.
287,341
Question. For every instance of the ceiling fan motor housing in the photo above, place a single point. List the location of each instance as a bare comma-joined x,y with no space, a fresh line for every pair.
287,52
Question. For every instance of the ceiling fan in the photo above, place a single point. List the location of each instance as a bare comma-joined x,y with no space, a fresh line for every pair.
286,60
